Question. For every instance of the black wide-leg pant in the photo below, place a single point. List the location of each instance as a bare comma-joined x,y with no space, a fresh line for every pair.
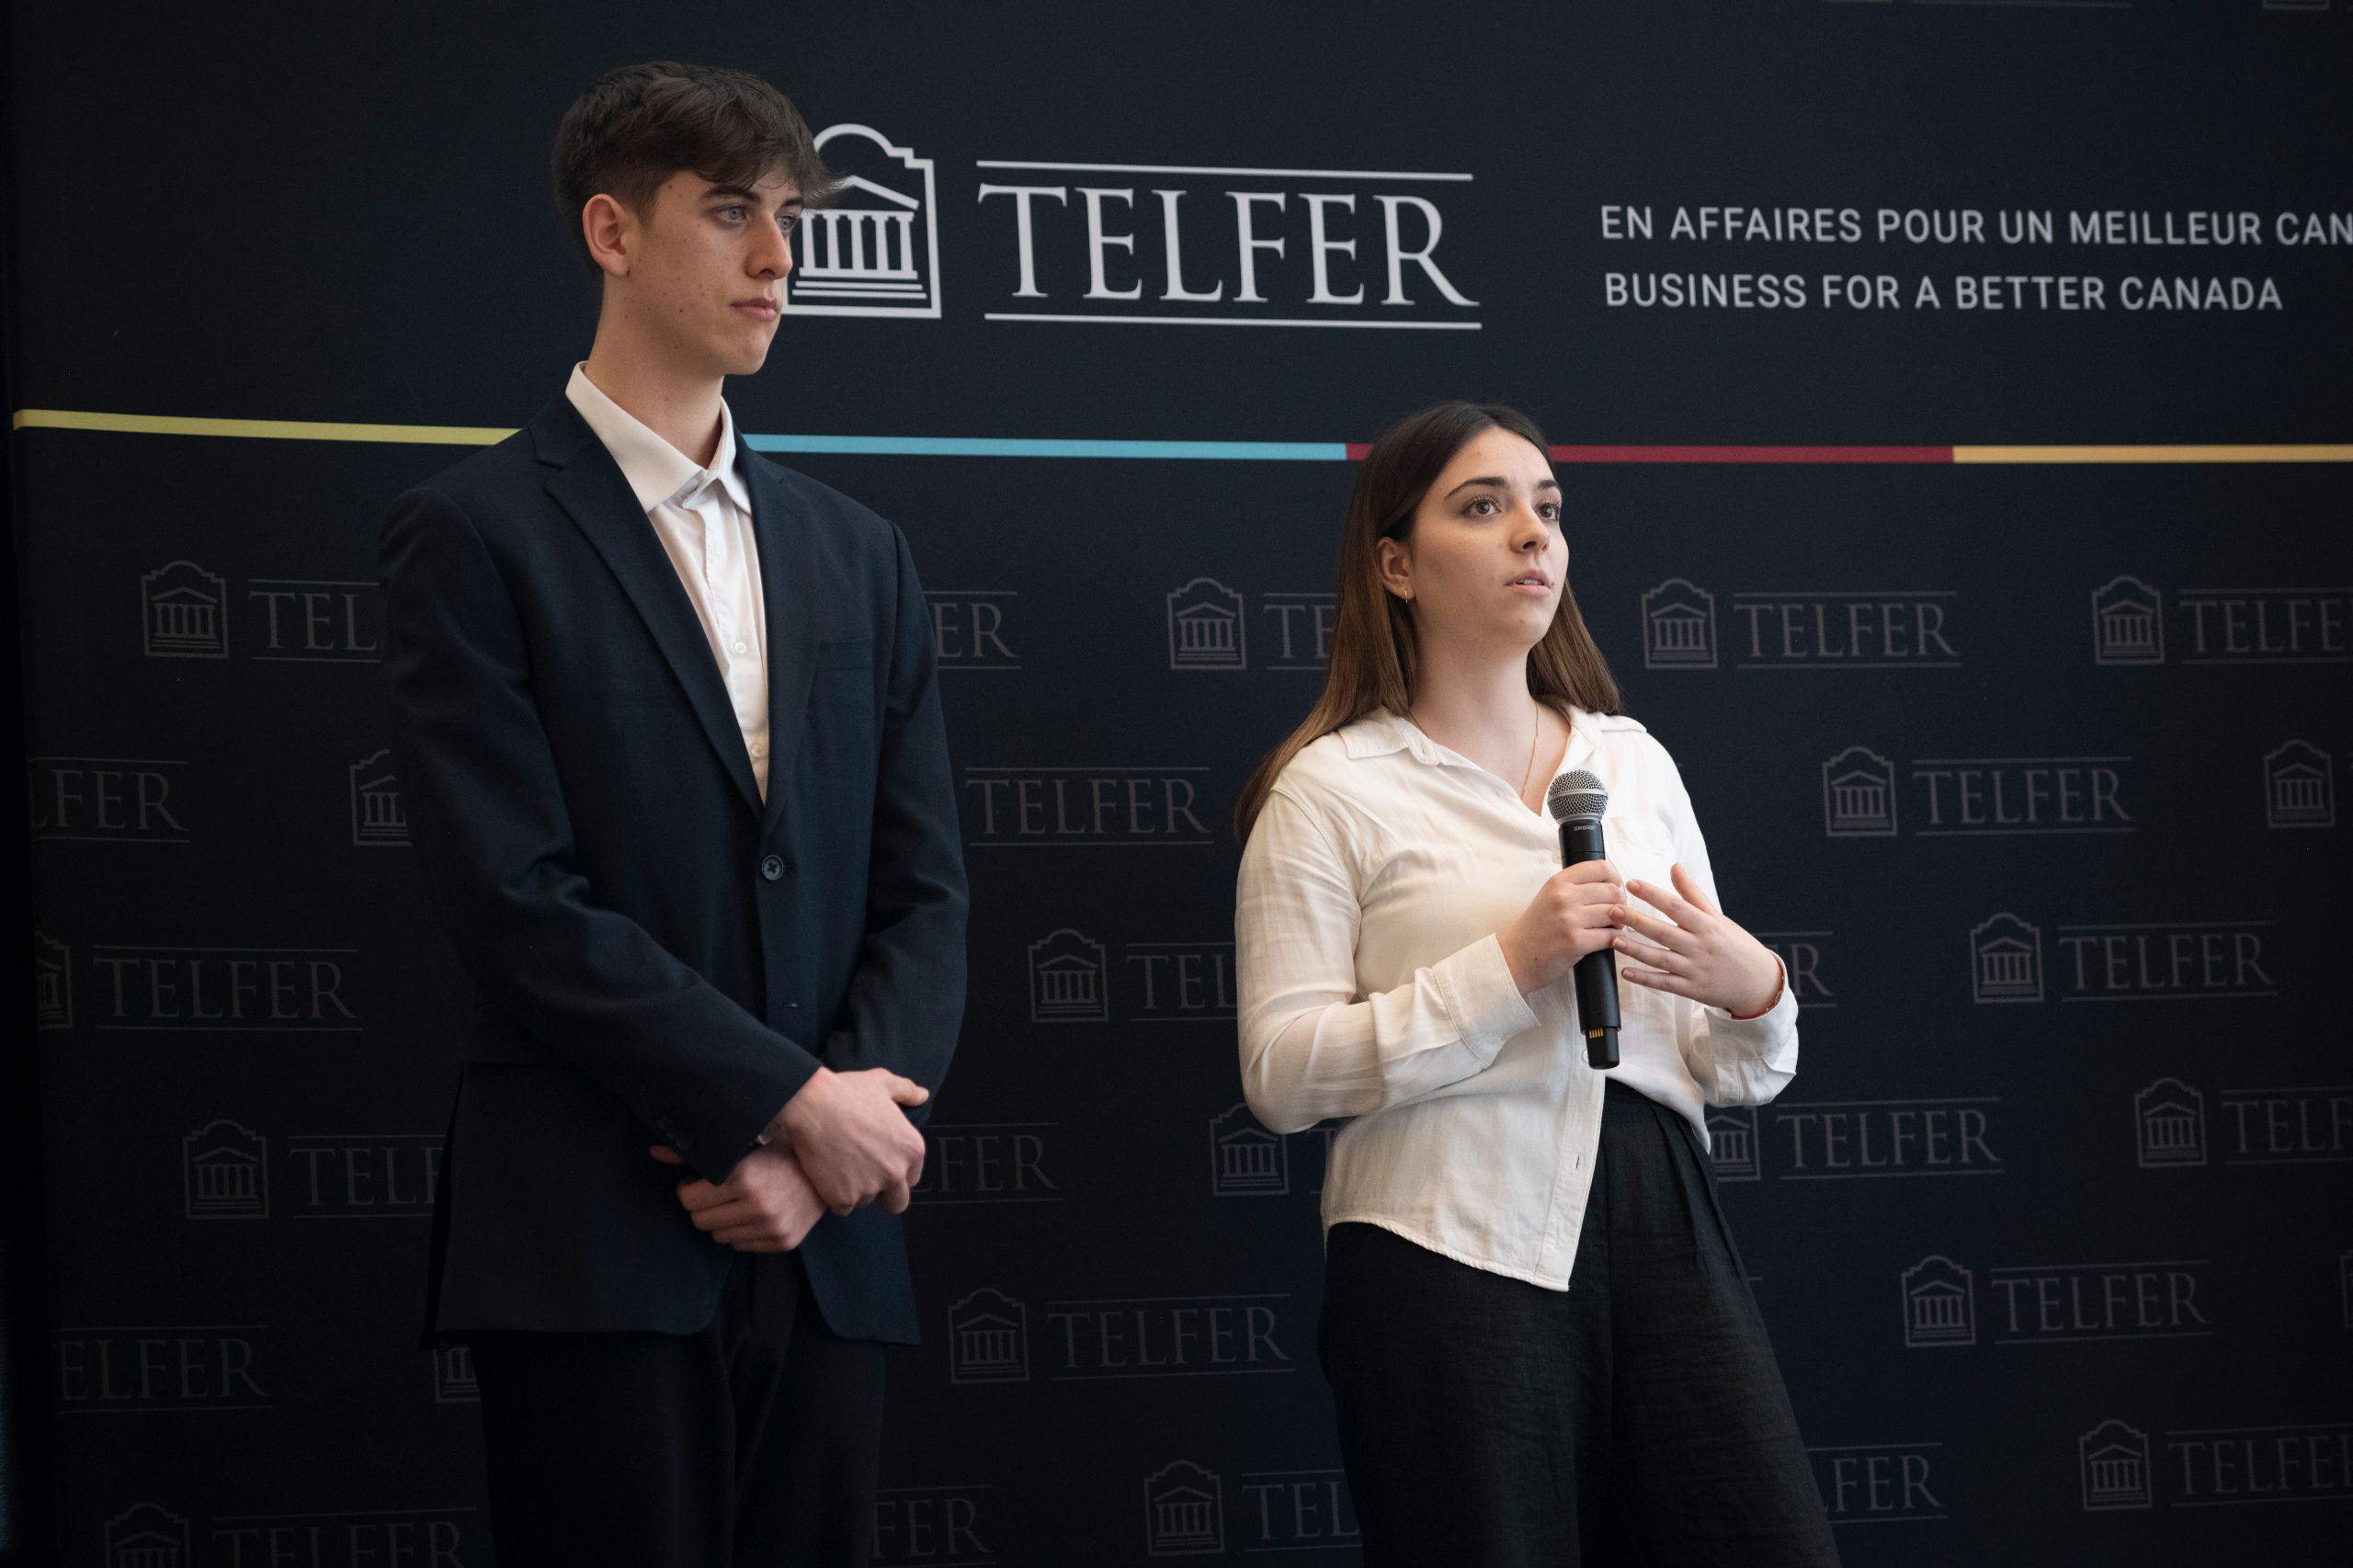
755,1443
1636,1418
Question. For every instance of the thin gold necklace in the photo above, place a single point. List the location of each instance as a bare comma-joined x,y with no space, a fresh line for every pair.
1535,734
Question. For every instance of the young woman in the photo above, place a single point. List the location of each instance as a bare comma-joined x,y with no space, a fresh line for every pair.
1538,1332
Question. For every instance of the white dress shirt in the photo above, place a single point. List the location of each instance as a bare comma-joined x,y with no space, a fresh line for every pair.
703,516
1373,987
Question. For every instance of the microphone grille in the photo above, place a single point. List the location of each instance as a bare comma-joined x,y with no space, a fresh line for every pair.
1576,794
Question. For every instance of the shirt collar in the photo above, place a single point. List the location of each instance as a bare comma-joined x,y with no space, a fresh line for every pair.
1381,733
656,470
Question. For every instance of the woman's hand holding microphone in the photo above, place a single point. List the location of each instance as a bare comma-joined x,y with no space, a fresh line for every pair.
1680,945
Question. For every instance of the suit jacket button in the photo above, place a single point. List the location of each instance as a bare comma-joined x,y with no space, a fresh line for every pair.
772,868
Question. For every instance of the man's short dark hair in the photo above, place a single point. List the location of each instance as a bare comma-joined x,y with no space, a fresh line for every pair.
633,127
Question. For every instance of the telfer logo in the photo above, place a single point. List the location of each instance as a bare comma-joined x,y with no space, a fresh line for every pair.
224,1173
1245,1160
2127,623
2299,786
2169,1119
861,256
52,984
988,1339
1679,627
2005,960
1205,630
2114,1459
1184,1512
1939,1305
378,819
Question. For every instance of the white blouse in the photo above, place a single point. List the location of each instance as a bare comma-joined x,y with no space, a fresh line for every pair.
1374,988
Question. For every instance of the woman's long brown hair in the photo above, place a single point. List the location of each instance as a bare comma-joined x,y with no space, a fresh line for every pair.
1374,652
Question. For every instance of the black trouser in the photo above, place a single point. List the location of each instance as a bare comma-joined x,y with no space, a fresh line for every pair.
1637,1417
756,1441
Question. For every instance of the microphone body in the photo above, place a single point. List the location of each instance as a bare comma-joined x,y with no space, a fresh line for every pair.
1577,800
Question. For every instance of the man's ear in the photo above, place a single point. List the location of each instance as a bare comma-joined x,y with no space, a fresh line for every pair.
612,232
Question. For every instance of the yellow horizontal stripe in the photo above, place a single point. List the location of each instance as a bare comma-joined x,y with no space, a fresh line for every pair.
2336,454
267,429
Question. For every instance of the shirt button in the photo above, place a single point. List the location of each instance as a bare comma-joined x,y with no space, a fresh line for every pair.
772,868
742,647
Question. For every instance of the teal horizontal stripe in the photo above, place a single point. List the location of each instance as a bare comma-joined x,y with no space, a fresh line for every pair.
999,447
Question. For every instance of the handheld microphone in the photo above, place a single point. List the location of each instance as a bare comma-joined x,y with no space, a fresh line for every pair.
1576,801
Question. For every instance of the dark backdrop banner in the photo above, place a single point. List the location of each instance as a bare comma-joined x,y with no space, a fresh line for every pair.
1946,395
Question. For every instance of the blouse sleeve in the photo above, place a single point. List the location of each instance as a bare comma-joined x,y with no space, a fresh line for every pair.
1311,1047
1734,1061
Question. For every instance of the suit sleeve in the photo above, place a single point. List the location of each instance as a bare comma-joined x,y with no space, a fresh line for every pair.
589,987
906,999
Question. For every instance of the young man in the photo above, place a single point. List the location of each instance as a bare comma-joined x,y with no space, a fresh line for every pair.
669,724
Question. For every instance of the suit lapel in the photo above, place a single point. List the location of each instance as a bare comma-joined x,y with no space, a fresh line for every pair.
589,486
788,594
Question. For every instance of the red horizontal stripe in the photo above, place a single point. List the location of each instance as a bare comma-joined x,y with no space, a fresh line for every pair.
1359,450
1751,454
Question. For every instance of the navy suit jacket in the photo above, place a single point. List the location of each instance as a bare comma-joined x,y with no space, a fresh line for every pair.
656,955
